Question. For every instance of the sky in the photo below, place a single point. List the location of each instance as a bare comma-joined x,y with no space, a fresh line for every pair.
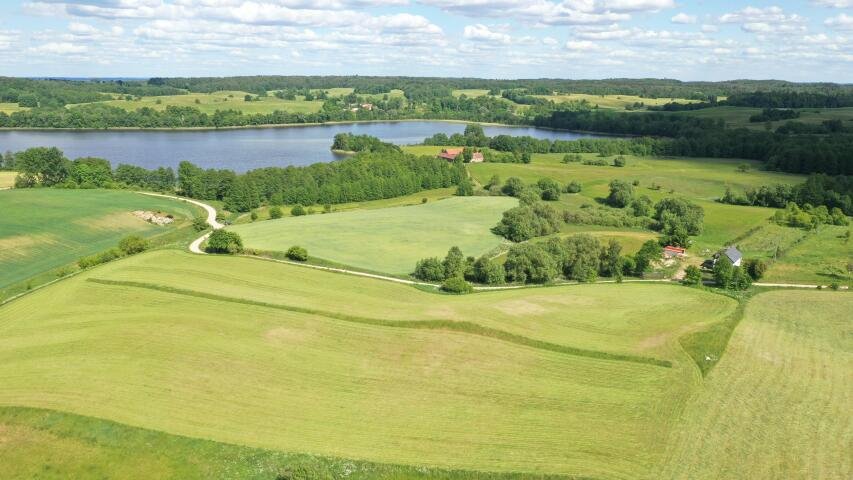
808,40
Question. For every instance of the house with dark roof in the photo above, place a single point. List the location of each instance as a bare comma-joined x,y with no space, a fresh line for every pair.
734,255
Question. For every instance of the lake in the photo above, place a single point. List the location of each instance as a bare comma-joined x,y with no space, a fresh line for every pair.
240,149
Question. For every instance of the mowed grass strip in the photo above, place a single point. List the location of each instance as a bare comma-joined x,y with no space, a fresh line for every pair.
778,404
388,240
631,319
297,382
42,229
39,443
452,325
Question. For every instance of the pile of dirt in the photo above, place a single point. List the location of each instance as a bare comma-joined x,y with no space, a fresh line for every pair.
157,218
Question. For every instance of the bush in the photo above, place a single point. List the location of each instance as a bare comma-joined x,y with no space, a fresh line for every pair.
523,223
223,241
573,187
133,244
457,285
429,270
298,211
297,253
755,267
692,275
275,212
619,161
550,189
253,216
621,194
99,258
200,223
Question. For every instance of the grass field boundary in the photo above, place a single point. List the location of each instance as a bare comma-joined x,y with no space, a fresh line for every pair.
227,460
450,325
706,347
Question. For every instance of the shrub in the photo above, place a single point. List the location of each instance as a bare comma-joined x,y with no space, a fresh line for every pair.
619,161
133,244
513,187
297,253
572,157
298,211
573,187
429,270
457,285
223,241
275,212
755,267
99,258
550,189
692,275
200,223
253,216
621,194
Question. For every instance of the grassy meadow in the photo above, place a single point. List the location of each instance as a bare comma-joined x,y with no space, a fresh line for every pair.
615,102
778,403
738,117
8,108
388,240
43,229
822,257
225,100
332,365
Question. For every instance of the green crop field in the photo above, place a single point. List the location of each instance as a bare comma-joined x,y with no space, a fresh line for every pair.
388,240
335,365
225,100
42,229
7,179
778,403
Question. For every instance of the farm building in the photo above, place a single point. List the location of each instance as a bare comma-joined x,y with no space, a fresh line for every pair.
477,157
732,253
450,153
670,251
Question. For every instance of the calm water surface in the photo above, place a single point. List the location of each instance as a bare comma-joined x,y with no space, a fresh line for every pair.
242,149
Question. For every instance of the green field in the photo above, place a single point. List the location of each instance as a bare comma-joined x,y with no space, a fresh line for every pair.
778,404
617,102
822,258
7,179
387,240
470,92
43,229
329,364
736,117
701,180
225,100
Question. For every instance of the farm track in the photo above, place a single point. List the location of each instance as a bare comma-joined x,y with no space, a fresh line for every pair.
451,325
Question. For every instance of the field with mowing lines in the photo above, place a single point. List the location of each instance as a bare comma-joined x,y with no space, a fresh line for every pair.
225,100
820,258
618,102
300,378
778,403
7,179
42,229
388,240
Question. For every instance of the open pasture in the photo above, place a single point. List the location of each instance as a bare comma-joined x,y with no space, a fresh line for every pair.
738,117
388,240
225,100
6,107
42,229
778,403
299,377
700,180
822,257
617,102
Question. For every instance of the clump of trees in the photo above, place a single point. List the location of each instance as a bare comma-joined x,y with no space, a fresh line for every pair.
809,217
453,271
348,142
528,221
578,257
831,191
729,276
678,219
224,241
774,114
130,245
297,253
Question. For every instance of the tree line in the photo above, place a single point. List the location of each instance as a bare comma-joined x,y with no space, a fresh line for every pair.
364,176
817,190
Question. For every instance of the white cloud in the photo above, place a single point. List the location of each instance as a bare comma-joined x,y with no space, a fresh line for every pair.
58,48
483,33
840,22
833,3
581,45
710,28
683,18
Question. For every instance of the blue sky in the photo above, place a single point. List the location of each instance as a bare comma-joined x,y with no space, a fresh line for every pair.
809,40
